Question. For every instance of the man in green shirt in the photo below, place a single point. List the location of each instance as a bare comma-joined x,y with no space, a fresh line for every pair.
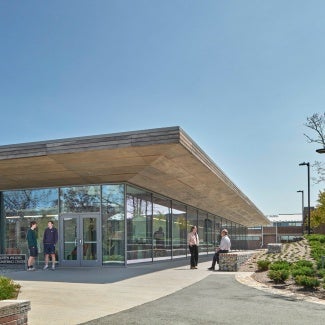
32,246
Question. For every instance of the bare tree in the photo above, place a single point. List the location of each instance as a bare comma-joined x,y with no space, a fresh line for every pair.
316,123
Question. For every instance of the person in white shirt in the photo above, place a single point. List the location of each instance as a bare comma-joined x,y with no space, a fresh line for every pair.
224,247
193,244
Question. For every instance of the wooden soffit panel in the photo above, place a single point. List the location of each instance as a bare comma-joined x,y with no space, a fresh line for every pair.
165,161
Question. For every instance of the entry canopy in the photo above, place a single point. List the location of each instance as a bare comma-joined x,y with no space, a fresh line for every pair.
163,160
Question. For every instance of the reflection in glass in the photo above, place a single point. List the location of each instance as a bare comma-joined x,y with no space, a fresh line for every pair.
201,229
139,224
23,206
161,226
89,239
70,245
80,199
179,229
113,234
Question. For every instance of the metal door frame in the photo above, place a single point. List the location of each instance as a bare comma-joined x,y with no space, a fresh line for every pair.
79,240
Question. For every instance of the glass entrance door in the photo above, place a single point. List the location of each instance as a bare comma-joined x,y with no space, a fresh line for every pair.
80,240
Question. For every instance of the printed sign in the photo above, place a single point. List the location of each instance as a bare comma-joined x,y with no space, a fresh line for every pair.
12,259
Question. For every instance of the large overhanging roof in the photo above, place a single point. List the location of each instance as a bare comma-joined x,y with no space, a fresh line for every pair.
164,160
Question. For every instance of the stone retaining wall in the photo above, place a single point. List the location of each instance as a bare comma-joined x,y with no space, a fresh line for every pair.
274,248
232,261
14,312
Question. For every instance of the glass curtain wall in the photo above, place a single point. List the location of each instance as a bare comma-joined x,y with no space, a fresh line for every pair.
162,230
113,224
139,225
20,208
156,226
179,231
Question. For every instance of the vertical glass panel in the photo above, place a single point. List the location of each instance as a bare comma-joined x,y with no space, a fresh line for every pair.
218,228
70,245
192,220
210,233
23,206
80,199
203,223
162,232
179,230
139,225
89,246
113,221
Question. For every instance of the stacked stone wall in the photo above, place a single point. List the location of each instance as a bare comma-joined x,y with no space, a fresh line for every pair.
232,261
14,312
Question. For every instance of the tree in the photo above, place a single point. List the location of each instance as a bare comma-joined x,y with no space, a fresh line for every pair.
317,216
316,123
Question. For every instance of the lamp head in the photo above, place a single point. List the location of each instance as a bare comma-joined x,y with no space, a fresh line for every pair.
304,164
300,191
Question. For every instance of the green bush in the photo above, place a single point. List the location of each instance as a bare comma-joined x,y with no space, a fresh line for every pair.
280,265
279,276
302,263
8,288
263,265
303,270
317,245
321,273
307,281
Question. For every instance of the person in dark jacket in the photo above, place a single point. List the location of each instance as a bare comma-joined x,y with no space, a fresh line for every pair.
50,239
32,246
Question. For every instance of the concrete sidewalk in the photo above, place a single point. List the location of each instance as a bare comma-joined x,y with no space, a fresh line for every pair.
107,295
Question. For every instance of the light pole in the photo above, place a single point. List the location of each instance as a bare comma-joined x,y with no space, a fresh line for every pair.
302,204
308,177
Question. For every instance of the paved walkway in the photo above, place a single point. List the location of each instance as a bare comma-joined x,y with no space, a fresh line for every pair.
158,293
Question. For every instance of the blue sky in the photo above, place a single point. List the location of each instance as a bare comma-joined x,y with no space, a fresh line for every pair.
240,77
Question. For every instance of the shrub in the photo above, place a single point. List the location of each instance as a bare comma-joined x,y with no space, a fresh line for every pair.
279,265
8,288
307,281
302,263
321,273
278,276
263,265
303,270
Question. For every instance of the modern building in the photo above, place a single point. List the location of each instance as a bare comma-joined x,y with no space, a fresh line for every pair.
282,228
119,198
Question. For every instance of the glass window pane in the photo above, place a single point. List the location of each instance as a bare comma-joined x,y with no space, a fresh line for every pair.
161,228
139,224
70,238
113,221
179,230
89,246
23,206
80,199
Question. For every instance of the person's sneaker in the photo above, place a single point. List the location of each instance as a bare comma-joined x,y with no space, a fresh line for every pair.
32,268
53,268
45,267
211,268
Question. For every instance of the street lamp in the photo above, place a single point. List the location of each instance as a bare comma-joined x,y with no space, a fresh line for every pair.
302,203
308,170
321,150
